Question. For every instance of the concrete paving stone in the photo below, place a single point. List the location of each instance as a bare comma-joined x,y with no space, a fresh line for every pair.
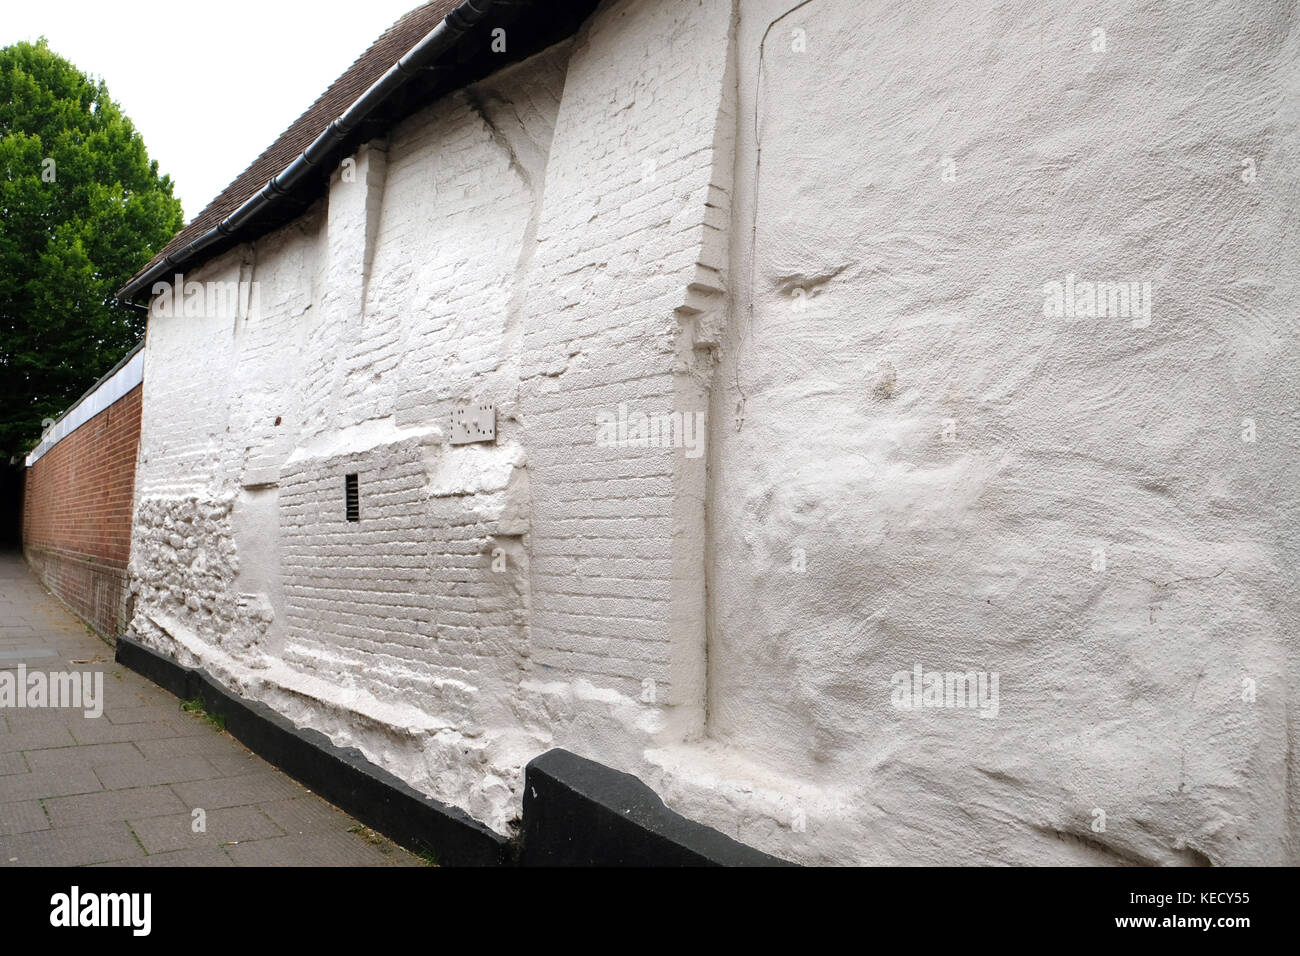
22,817
320,849
92,755
36,736
237,791
70,846
20,717
69,784
22,642
109,805
130,715
13,762
147,695
202,858
31,658
144,773
301,815
224,827
57,783
188,725
236,765
100,731
121,694
209,745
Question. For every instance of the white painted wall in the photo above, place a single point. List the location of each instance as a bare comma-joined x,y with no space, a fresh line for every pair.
914,466
489,590
954,464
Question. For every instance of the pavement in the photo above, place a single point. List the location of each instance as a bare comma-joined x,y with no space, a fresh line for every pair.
131,786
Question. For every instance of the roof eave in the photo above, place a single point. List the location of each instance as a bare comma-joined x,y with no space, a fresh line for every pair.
288,193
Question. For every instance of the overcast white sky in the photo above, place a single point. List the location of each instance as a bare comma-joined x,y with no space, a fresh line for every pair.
208,84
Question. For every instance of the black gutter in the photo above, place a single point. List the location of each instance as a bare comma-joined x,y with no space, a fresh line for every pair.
279,190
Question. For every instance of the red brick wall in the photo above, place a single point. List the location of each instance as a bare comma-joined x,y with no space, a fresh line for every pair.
77,515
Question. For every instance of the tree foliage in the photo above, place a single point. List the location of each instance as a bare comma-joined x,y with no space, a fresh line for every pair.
82,209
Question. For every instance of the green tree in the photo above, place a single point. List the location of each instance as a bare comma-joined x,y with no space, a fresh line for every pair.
82,209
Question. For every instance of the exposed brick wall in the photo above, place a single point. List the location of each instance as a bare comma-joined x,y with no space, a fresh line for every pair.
77,515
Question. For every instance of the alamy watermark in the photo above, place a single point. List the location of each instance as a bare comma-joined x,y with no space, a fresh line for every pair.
75,690
220,300
624,428
73,909
919,688
1073,299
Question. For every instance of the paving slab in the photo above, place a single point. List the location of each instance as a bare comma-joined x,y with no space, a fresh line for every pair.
322,849
231,826
136,803
23,817
122,788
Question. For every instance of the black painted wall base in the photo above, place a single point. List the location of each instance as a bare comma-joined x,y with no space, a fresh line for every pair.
576,812
581,813
342,776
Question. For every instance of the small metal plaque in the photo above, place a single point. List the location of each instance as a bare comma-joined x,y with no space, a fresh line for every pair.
473,423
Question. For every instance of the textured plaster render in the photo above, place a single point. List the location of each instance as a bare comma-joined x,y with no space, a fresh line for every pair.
829,228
